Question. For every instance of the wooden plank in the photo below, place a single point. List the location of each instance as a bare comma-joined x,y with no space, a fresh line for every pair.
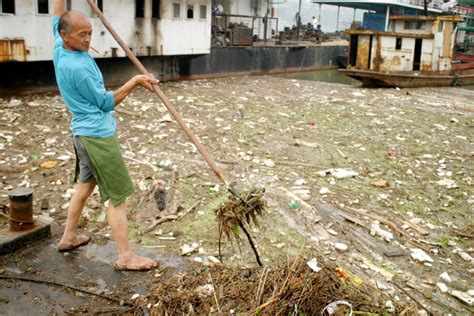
448,28
363,48
391,34
417,228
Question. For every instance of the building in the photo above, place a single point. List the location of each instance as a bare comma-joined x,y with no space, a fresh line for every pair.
377,12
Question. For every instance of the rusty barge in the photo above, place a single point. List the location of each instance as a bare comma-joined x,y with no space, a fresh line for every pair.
415,51
409,43
409,80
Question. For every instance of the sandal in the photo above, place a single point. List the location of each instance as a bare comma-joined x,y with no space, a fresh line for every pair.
144,267
79,241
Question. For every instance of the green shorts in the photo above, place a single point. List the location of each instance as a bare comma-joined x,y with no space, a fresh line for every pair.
109,169
84,168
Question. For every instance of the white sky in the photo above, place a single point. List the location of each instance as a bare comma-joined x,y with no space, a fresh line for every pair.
287,10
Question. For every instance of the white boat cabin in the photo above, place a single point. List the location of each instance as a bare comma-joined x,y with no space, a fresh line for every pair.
149,27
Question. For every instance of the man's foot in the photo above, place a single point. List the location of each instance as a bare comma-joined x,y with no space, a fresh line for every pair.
136,263
76,242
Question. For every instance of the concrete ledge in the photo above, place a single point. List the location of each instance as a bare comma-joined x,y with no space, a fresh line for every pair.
11,241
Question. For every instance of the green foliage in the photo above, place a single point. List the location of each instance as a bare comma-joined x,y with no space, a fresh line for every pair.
444,240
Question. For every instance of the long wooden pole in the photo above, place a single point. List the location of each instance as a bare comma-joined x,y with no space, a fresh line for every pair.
165,100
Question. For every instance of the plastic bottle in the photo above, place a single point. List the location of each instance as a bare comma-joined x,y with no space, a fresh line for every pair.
292,203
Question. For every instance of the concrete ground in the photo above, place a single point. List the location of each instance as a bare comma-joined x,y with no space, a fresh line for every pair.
88,268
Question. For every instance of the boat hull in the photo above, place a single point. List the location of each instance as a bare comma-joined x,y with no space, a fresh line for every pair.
465,58
463,66
408,80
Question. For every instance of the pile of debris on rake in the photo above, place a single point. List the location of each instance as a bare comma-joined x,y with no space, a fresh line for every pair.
299,287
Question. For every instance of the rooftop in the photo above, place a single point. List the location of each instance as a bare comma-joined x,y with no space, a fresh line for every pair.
454,18
377,5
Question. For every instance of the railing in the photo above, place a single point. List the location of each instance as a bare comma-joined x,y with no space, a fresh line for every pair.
343,25
463,10
236,27
421,3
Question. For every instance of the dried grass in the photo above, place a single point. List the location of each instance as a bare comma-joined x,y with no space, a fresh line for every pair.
291,288
235,211
238,215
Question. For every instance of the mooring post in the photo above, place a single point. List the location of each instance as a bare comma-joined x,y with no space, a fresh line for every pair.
21,209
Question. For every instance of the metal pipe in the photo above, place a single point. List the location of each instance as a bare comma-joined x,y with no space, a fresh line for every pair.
298,22
253,29
265,24
387,18
319,14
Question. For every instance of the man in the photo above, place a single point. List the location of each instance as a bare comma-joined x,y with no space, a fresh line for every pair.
315,23
93,128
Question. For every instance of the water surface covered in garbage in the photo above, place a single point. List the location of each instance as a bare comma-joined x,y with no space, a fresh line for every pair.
324,75
377,180
332,76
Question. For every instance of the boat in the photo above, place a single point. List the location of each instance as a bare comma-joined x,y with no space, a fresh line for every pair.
465,58
371,78
216,39
342,60
415,51
408,43
464,51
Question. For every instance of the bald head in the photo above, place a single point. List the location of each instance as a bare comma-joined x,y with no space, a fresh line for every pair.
76,31
70,19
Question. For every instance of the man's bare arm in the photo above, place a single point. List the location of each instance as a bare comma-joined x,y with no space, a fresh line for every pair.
144,80
59,7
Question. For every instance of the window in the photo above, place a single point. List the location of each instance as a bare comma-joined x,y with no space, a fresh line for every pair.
203,12
392,26
440,26
398,43
69,5
139,8
190,11
99,4
176,10
43,7
155,9
7,6
414,25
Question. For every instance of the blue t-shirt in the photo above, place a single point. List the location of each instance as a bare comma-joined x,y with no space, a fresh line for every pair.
82,87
